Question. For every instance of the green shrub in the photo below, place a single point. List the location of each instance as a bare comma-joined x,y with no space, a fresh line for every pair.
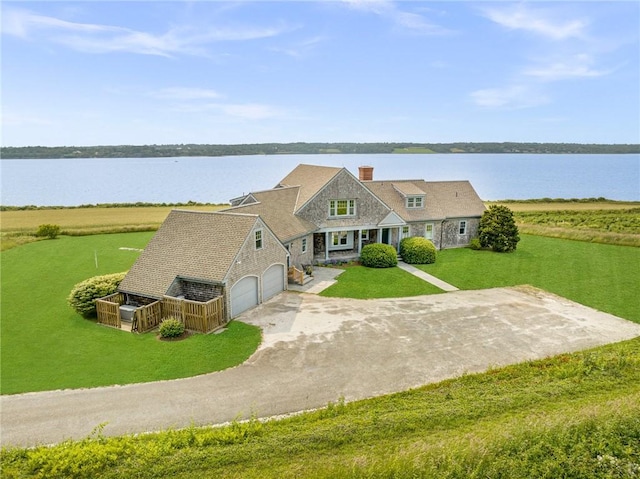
417,250
49,231
84,294
498,230
379,255
475,244
171,328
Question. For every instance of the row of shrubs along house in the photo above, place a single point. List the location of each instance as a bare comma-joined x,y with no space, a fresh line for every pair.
243,255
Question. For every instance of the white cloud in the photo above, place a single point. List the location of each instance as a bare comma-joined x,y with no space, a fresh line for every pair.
183,93
578,66
407,21
543,22
510,97
96,38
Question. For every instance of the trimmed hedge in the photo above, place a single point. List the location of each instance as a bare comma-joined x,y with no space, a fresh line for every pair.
417,250
379,255
84,294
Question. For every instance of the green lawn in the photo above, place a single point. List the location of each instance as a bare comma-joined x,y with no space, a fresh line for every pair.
604,277
365,283
46,345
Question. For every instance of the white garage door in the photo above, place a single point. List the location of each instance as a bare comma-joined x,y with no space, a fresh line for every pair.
244,295
272,281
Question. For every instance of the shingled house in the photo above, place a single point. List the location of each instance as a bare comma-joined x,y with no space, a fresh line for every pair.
326,213
208,267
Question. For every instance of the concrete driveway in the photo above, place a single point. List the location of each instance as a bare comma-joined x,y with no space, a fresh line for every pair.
317,350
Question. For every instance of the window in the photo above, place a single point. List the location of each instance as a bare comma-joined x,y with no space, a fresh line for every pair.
340,238
463,228
428,231
258,237
364,235
304,245
342,208
405,232
415,201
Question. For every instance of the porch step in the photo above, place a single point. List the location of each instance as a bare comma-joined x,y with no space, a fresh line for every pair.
307,279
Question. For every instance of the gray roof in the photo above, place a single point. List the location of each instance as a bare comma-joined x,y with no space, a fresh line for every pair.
277,208
189,244
443,199
311,179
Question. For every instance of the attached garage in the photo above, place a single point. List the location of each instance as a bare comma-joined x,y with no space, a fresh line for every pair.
244,295
273,281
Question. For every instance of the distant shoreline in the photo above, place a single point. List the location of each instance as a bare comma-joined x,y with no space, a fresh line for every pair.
205,150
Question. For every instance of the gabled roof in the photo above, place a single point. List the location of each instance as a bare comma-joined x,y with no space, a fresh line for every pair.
443,199
310,178
277,208
189,244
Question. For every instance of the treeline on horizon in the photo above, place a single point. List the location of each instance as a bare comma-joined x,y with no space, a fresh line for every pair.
156,151
141,204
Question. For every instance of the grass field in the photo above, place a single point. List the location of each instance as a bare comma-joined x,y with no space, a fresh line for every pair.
45,345
571,416
604,277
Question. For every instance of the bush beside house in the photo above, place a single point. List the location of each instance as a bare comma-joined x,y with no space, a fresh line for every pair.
84,294
498,230
417,250
379,255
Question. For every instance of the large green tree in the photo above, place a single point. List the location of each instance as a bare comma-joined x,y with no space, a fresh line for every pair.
498,229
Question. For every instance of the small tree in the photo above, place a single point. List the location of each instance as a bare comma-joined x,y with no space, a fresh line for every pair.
498,229
50,231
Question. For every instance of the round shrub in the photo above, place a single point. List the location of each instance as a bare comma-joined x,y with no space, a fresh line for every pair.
379,255
50,231
417,250
84,294
474,244
171,328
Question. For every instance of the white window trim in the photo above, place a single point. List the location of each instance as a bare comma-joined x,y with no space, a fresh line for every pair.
364,235
462,227
304,245
348,236
412,202
333,208
405,232
258,237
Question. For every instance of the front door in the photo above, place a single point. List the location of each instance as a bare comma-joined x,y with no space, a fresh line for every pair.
385,235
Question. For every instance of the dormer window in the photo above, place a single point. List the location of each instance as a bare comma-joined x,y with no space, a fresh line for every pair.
340,208
415,201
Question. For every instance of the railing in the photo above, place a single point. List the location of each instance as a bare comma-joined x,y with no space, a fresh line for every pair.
108,309
147,317
196,316
295,275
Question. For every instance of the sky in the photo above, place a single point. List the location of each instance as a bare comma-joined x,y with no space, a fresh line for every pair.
160,72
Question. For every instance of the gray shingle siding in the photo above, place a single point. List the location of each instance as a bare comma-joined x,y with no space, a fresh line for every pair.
344,186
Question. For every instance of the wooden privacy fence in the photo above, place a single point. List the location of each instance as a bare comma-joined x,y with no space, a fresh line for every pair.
108,309
147,317
196,316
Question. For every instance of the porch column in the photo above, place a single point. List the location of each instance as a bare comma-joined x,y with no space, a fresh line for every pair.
379,238
326,246
359,241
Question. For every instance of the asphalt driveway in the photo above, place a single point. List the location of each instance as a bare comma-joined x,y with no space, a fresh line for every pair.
316,350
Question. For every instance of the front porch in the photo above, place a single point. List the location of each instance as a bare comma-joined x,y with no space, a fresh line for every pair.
346,245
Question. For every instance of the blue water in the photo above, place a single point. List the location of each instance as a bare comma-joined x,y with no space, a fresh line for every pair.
216,180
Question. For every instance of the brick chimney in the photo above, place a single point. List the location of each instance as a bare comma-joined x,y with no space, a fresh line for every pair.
365,173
